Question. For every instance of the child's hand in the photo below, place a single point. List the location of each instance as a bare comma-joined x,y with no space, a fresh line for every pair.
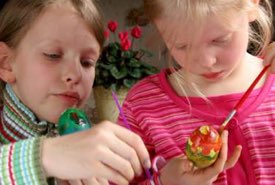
269,56
172,172
107,151
204,176
92,181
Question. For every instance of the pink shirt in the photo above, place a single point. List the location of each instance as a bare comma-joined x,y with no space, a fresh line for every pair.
164,121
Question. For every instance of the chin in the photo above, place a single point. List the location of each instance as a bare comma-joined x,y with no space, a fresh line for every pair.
53,118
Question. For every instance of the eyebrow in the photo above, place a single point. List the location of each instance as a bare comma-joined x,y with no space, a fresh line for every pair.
91,50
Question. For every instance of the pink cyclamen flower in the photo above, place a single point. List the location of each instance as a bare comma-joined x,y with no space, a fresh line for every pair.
123,36
125,44
112,25
106,34
136,32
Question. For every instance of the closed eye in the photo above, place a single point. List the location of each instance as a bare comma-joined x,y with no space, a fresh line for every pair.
52,56
88,63
181,47
220,41
223,40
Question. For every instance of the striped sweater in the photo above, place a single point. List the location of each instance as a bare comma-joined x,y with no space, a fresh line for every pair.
165,120
20,139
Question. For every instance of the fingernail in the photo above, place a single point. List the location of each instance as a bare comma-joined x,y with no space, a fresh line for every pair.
140,173
225,133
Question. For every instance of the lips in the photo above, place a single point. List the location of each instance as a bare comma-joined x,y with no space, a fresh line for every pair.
70,97
212,75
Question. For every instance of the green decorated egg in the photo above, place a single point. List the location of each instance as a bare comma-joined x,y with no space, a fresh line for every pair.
203,146
72,120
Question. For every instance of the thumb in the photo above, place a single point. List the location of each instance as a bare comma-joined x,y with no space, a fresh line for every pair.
234,158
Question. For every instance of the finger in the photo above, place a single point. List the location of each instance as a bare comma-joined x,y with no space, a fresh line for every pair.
92,181
62,182
219,164
268,49
234,158
187,165
270,58
103,181
108,173
75,182
135,142
269,54
127,152
118,163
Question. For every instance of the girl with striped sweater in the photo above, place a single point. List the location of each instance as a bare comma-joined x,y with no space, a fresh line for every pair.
48,52
208,43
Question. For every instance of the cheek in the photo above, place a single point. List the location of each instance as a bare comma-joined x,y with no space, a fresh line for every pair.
88,81
179,57
234,55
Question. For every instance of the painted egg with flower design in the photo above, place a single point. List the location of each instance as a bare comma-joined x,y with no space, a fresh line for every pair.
203,146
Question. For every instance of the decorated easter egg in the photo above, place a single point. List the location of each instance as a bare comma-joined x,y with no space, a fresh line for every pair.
72,120
203,146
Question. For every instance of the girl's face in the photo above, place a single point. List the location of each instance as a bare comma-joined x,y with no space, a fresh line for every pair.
54,64
211,54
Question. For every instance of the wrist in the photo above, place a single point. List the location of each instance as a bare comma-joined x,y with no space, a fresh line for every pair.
46,159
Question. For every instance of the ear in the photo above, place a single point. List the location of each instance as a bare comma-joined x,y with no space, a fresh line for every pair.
6,73
253,13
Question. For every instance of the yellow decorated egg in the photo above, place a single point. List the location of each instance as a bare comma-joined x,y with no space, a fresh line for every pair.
203,146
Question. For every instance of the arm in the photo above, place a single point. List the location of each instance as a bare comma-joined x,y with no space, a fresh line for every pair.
20,163
107,151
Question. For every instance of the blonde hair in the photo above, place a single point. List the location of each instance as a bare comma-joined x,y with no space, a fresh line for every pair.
195,11
17,16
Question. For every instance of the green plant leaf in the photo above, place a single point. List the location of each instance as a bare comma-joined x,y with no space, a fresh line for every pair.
105,73
114,45
136,73
119,74
114,87
134,63
128,54
117,68
114,49
151,70
105,66
129,82
111,59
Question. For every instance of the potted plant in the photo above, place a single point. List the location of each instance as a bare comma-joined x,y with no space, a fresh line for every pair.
119,67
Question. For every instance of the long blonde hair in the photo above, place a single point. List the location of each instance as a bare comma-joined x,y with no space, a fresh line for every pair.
195,11
17,16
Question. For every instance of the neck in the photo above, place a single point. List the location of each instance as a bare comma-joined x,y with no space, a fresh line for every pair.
17,121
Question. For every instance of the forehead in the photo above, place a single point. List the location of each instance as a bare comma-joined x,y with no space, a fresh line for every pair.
60,23
173,29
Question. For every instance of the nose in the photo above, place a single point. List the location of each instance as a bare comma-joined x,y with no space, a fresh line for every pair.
204,57
72,73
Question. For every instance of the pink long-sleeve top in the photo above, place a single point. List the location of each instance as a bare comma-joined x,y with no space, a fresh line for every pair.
164,120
